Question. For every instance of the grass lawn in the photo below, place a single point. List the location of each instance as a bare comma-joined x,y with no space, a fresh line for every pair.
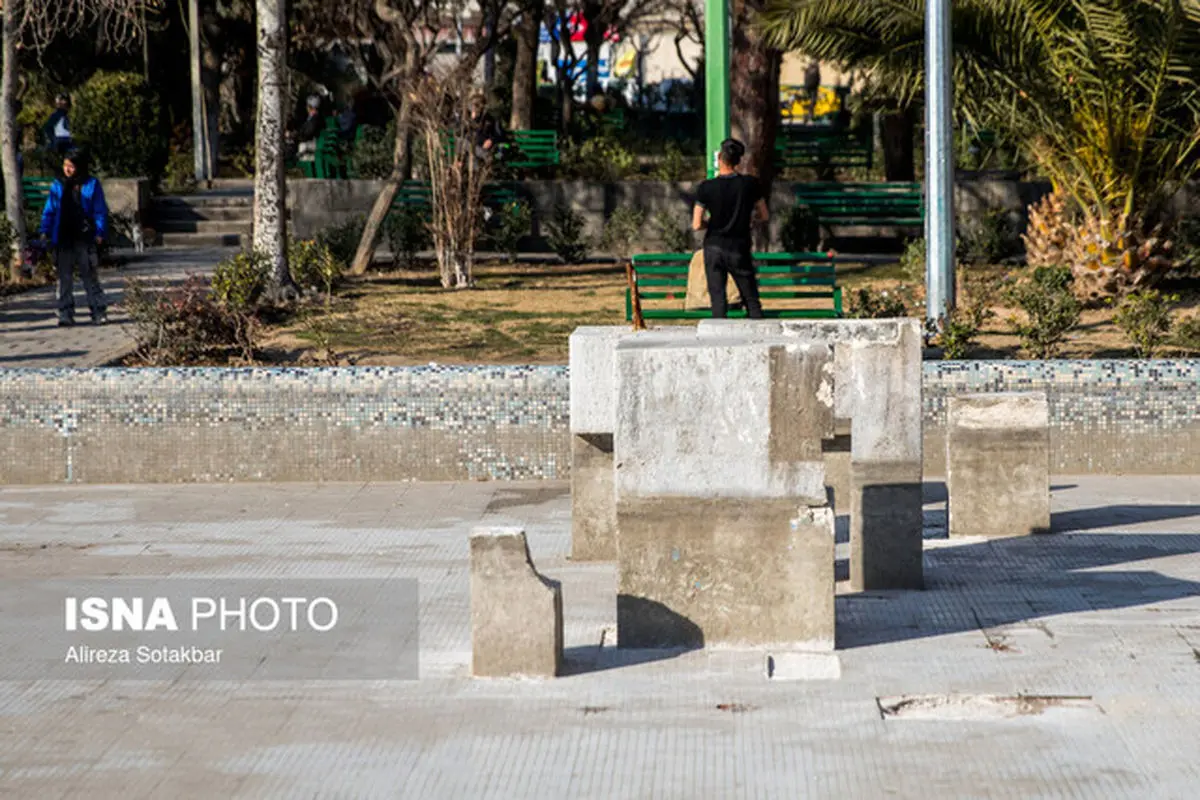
523,314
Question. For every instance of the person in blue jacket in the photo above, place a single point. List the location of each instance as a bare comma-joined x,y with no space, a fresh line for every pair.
75,220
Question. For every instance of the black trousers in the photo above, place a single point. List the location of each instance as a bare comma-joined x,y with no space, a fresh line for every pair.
719,264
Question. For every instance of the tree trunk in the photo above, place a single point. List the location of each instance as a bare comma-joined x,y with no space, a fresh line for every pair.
593,37
401,169
210,82
524,90
270,189
14,201
754,95
899,160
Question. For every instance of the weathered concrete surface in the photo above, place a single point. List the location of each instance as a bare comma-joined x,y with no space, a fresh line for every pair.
1108,612
516,613
707,572
998,464
719,418
593,498
877,369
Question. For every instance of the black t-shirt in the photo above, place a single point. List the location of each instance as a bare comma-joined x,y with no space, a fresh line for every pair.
730,201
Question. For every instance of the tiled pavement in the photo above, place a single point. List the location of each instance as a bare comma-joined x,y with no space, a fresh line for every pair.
30,337
1105,609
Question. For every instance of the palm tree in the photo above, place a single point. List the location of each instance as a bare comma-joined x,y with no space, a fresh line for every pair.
1101,94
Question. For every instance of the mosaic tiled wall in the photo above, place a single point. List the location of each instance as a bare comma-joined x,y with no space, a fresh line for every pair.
489,423
178,425
1105,416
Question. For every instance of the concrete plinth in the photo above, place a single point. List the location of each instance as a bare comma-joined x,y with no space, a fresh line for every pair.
724,537
516,614
877,371
593,502
728,572
998,464
886,522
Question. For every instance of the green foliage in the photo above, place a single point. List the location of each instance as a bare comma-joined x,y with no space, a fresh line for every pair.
8,241
1186,240
408,234
314,266
117,115
622,229
673,165
342,238
960,331
243,160
989,239
1051,310
866,304
1145,319
912,262
179,175
600,158
373,156
513,222
565,234
238,282
676,237
801,231
1187,335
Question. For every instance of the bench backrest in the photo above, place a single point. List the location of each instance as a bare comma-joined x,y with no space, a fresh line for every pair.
885,201
534,148
662,279
34,190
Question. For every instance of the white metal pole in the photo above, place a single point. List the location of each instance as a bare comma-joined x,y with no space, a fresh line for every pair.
939,162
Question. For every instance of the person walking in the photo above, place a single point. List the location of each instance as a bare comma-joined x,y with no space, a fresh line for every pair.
75,221
812,88
733,203
56,133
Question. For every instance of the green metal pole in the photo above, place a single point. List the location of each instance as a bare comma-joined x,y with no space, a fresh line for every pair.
716,77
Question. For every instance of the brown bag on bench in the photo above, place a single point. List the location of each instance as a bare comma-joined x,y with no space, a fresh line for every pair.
697,287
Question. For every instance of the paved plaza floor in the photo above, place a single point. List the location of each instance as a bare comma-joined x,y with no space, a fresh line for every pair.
1097,626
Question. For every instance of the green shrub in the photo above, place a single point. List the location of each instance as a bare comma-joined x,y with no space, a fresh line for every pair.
1051,310
961,329
989,239
565,234
1187,335
676,238
8,241
622,229
238,282
314,266
912,262
513,222
408,233
801,230
600,158
866,304
342,238
179,175
243,161
672,166
1145,319
373,156
178,325
117,115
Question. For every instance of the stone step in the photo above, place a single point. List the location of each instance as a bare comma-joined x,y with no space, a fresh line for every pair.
168,212
225,199
243,227
196,240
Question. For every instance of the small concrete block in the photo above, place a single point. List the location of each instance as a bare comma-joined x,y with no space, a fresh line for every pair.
729,572
886,527
998,464
593,498
718,418
516,614
785,665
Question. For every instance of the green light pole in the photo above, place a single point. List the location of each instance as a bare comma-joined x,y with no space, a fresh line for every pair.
716,77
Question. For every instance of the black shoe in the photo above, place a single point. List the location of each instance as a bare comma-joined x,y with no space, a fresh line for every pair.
66,323
100,318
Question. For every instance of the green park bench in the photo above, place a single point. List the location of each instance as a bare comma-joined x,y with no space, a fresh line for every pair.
661,282
35,189
822,147
532,150
863,204
417,195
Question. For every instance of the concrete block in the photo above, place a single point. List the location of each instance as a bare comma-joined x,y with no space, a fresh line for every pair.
725,572
886,526
998,464
593,498
516,614
727,419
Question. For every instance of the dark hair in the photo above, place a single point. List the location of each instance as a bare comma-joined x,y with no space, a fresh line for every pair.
80,159
732,151
63,98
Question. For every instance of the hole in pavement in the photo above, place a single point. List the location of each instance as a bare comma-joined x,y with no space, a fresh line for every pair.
735,708
979,706
595,709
